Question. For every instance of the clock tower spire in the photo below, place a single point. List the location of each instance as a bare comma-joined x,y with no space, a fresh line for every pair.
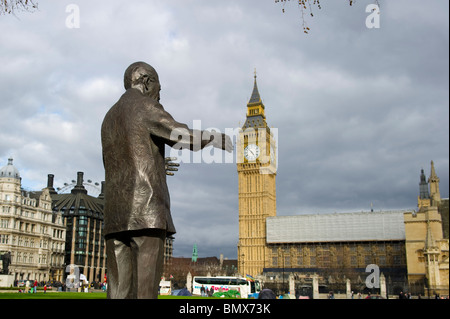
257,191
256,116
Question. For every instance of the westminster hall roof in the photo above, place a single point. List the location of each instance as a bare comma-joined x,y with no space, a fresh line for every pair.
337,227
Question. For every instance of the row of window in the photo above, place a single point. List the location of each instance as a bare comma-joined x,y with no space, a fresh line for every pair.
326,261
31,258
333,249
22,241
45,217
81,212
30,228
26,201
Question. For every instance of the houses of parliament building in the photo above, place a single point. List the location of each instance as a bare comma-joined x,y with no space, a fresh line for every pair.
43,232
409,247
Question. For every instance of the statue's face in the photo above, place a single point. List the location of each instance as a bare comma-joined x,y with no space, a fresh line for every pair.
146,80
153,86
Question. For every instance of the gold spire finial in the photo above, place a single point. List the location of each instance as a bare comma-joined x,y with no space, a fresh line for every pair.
255,73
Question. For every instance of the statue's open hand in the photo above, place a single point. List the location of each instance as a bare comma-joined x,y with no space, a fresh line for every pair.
228,145
170,166
222,141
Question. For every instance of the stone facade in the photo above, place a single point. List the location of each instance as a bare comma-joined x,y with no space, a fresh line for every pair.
416,262
45,232
30,231
257,191
426,246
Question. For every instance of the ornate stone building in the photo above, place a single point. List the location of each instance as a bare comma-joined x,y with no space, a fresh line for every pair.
410,248
338,247
29,230
427,239
45,231
256,168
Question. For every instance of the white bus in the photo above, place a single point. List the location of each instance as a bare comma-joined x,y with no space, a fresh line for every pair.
247,288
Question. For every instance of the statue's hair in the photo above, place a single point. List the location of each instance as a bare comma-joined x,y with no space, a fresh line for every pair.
136,72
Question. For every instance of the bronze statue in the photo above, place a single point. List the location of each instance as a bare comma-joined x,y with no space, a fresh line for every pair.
137,215
6,261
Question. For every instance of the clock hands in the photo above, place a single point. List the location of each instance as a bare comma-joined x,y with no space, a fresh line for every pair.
251,152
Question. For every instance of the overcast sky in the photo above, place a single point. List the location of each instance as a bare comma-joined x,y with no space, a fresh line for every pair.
359,111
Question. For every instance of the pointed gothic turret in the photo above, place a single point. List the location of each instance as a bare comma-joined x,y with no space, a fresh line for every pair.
255,98
194,254
256,117
426,245
433,181
423,186
429,241
433,176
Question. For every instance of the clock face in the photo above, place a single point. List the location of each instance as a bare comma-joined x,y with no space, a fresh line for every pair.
251,152
272,154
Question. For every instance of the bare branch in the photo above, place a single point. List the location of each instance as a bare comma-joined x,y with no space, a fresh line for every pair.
12,6
309,4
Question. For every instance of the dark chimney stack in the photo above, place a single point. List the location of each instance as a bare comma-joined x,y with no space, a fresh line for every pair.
79,188
50,178
102,192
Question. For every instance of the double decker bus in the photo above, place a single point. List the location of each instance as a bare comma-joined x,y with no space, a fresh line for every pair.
247,288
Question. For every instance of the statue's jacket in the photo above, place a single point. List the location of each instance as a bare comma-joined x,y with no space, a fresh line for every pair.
134,134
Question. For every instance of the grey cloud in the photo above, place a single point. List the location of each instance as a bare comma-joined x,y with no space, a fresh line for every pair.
359,112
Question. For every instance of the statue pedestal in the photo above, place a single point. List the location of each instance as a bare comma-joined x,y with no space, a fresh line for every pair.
6,280
291,285
315,286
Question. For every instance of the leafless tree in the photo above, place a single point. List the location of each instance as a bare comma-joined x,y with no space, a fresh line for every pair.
306,9
12,6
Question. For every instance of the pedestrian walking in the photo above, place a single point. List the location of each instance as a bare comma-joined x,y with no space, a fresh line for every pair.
35,286
202,291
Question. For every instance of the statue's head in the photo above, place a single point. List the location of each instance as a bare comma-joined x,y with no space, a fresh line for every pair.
143,77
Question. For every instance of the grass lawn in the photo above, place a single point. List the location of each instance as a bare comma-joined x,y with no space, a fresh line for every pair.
76,295
53,295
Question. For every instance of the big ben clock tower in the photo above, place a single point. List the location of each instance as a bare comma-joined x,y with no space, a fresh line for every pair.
256,153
